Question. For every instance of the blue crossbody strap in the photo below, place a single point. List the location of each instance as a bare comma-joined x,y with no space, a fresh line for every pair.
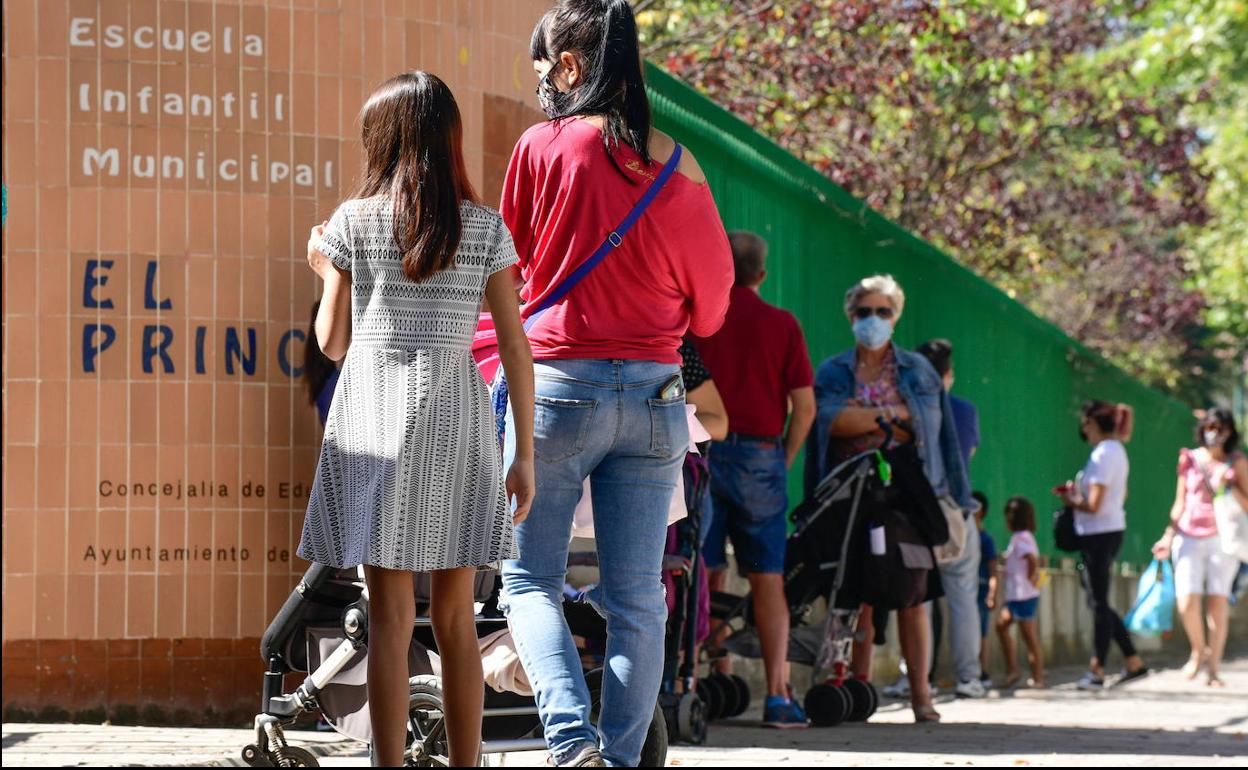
614,238
610,244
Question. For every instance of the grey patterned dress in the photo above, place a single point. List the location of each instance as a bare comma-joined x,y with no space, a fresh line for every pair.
410,475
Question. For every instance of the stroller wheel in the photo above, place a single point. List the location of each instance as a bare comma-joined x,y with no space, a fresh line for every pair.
691,719
712,691
254,757
743,695
827,705
429,747
863,700
730,697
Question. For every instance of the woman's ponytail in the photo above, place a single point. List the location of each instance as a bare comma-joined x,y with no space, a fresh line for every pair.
1124,422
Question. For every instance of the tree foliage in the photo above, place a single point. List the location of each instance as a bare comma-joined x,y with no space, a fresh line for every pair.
1081,154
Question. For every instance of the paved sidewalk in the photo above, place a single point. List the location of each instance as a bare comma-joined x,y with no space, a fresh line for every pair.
1162,720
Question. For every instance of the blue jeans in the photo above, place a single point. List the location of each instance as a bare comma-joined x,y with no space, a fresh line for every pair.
961,583
603,420
750,505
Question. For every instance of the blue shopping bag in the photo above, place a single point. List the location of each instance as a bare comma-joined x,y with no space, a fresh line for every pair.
1153,612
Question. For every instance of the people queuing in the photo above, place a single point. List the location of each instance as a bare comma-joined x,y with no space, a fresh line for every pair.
960,576
1098,498
609,229
764,374
1022,593
406,263
878,380
610,398
989,579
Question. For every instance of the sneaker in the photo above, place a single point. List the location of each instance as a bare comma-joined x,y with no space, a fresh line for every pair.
588,756
1091,683
972,688
783,714
985,682
898,689
1130,676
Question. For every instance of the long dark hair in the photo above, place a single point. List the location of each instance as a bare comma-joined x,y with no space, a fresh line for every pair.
1219,418
317,367
413,152
603,35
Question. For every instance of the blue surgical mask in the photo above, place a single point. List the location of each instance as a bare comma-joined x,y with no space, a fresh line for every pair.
873,332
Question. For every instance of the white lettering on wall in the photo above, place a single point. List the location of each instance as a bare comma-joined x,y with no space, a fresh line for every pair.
110,162
83,34
79,32
90,156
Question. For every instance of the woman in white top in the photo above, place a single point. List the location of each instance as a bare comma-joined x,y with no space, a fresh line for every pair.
1100,518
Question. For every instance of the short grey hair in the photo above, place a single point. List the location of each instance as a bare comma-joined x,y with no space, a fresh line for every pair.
749,256
876,284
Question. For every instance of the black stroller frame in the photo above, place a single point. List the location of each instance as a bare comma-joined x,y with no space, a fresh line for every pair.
330,606
837,696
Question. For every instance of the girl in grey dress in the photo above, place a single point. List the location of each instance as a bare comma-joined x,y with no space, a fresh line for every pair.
410,476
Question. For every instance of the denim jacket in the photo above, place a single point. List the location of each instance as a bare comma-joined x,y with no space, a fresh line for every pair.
931,413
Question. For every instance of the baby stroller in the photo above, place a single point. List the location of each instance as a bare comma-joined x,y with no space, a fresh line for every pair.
834,554
323,629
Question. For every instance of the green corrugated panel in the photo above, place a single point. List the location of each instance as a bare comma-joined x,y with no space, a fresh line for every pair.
1026,376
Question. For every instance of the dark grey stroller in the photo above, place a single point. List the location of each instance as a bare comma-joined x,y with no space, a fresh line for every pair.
323,629
829,557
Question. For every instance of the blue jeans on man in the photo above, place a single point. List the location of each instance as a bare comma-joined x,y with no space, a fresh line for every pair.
604,420
750,507
960,580
749,501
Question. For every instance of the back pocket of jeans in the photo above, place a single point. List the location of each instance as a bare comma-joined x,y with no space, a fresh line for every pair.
669,427
560,426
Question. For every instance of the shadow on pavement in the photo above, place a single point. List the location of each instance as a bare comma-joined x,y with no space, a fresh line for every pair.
984,739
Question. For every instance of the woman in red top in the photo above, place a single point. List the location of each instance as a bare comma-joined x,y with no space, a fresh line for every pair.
610,401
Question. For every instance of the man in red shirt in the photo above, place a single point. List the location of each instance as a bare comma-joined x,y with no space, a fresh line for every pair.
762,369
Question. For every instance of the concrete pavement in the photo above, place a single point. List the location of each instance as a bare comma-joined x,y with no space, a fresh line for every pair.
1162,720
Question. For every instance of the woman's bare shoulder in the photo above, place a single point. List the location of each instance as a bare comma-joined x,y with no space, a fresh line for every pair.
661,148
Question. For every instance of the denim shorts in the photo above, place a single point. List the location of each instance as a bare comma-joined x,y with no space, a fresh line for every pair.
749,505
1025,609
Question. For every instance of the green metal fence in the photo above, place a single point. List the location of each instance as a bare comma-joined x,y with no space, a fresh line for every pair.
1024,374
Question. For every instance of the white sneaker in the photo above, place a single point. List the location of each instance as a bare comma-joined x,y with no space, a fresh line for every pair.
898,689
970,689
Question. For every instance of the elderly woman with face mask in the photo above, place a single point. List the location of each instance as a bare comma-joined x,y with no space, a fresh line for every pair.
854,390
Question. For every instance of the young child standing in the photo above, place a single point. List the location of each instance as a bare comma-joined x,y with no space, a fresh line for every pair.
410,477
1022,592
988,588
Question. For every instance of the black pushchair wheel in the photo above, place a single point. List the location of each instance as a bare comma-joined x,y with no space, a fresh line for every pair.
863,700
743,695
691,719
827,705
729,697
712,691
